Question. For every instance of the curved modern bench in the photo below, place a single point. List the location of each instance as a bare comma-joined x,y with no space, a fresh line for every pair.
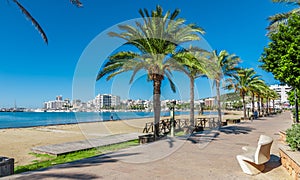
253,160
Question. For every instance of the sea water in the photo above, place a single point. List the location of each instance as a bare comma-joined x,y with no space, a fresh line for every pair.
30,119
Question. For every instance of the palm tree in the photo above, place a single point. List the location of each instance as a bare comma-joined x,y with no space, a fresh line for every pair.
263,94
280,18
34,22
268,95
157,40
255,89
223,65
193,63
273,97
259,103
242,83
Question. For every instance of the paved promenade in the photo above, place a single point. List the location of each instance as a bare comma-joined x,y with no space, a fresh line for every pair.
179,158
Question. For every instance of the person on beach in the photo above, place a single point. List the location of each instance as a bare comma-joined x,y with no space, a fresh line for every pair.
111,117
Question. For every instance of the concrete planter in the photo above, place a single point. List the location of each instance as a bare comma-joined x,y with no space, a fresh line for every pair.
290,160
6,166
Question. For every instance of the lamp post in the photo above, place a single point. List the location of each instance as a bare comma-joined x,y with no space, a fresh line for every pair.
172,109
248,110
201,107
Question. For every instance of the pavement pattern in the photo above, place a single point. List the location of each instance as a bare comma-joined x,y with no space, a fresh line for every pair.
68,147
208,156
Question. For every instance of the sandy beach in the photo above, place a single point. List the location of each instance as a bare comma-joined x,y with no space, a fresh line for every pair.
17,142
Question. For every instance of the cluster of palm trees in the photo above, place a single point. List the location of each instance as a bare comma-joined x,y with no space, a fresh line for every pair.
158,40
247,83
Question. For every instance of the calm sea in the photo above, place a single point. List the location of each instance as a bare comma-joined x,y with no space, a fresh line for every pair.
30,119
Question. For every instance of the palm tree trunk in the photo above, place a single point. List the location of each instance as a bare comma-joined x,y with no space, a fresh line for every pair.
253,96
262,106
192,112
267,111
273,106
258,105
244,104
156,103
219,103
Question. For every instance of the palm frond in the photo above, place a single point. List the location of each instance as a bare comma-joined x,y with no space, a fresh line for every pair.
174,14
172,85
278,17
135,71
281,18
115,73
287,1
77,3
34,22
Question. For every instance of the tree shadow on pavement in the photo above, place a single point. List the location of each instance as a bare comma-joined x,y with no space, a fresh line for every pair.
92,161
236,129
59,176
203,138
96,160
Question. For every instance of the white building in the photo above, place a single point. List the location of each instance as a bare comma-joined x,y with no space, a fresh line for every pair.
54,105
106,100
59,98
57,104
282,90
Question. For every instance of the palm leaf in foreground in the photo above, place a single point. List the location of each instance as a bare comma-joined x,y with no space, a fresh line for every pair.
34,22
281,18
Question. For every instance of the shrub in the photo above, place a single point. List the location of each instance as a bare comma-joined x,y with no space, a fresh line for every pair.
293,137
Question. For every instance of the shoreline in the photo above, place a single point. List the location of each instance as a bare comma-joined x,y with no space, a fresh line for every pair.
96,121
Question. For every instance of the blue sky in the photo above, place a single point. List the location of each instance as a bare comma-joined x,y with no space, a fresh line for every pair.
32,72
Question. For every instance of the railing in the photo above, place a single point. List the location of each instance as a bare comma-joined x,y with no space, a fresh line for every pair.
149,127
165,124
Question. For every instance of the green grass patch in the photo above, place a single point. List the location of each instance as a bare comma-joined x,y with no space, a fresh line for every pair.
45,160
179,133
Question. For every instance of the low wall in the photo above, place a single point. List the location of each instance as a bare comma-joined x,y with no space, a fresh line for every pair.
290,160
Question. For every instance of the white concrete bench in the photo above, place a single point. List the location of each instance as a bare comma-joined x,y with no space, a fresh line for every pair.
253,160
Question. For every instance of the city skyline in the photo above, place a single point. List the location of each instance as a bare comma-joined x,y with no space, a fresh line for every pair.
98,101
33,72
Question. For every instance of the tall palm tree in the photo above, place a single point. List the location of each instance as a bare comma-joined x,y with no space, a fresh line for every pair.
280,18
192,62
157,40
34,22
223,65
242,83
